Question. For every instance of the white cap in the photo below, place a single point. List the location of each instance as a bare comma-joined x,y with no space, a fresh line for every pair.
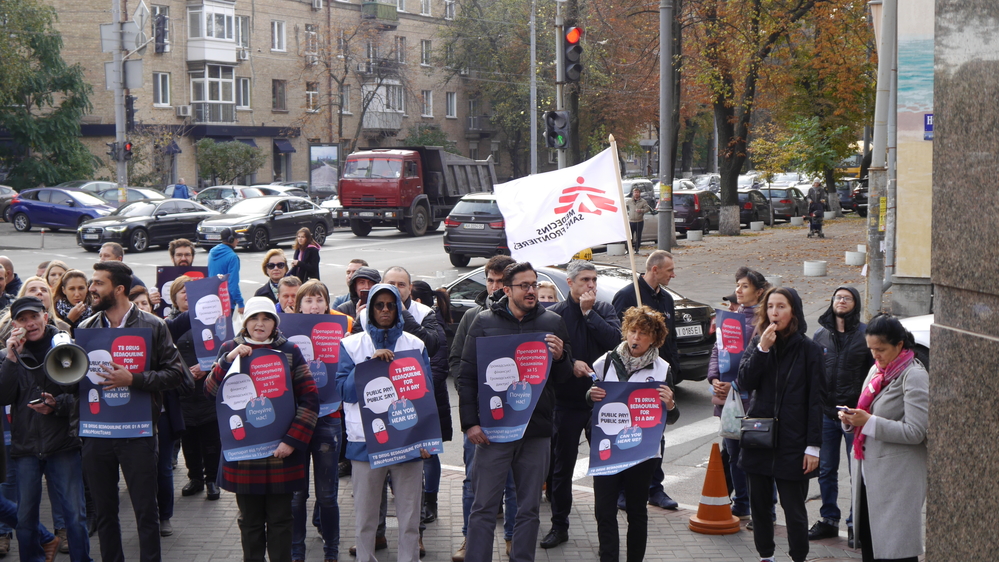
261,304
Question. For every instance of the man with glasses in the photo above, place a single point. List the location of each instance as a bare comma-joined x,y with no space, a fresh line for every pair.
517,312
841,335
275,267
181,252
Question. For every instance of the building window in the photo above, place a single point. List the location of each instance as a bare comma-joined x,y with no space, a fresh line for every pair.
165,26
473,150
449,9
161,89
311,45
211,22
401,5
312,97
400,50
395,98
427,97
345,98
341,45
451,105
494,151
215,83
243,31
425,52
425,7
277,36
372,50
278,100
243,93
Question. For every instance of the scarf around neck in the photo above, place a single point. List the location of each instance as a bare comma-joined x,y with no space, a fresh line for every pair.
631,363
882,378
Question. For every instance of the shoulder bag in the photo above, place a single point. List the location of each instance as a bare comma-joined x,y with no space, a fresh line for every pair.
761,433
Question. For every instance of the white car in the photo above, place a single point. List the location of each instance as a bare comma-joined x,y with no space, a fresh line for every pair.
333,204
919,326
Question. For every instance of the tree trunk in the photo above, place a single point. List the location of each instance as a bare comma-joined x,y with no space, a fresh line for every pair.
687,149
732,155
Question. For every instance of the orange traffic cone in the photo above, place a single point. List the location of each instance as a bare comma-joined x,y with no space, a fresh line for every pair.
714,514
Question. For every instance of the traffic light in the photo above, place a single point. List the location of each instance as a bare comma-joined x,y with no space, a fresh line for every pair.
112,151
126,153
129,113
573,68
557,129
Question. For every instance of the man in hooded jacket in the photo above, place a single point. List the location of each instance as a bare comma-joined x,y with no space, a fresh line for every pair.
847,359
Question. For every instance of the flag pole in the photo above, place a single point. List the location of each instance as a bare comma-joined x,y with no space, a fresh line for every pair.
624,217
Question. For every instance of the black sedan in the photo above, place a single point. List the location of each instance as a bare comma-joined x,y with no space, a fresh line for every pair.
140,224
260,222
694,320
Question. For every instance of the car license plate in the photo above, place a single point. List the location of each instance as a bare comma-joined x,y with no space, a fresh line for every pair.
473,226
678,219
91,236
213,236
365,214
687,331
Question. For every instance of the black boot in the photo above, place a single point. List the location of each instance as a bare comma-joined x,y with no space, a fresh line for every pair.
429,507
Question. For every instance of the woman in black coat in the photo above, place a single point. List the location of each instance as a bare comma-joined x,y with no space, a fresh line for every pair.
305,266
783,367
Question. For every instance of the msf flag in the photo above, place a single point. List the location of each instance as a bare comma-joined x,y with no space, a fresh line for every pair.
551,216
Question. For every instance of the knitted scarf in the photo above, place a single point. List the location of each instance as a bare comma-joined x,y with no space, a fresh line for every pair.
632,364
882,378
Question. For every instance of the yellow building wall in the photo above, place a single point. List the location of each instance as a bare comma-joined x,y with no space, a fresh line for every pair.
915,217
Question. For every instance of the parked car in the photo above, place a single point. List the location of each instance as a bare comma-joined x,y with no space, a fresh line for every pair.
474,229
858,197
919,326
147,222
648,192
55,208
753,206
91,186
267,220
131,194
750,180
333,204
694,320
303,185
695,209
710,182
168,191
678,185
787,202
291,190
221,197
786,179
7,194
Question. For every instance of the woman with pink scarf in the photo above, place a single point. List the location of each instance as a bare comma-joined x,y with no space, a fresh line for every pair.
889,447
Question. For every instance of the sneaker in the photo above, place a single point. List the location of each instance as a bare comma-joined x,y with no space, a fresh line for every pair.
4,544
749,526
459,555
50,549
822,530
64,541
166,529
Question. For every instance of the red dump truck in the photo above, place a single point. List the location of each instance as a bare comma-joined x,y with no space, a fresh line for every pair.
410,188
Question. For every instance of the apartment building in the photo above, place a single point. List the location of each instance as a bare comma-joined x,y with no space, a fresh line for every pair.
282,75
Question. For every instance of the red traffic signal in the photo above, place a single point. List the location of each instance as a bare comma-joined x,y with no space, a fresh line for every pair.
127,150
573,35
573,53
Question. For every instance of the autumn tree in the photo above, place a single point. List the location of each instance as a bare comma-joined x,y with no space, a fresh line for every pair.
224,162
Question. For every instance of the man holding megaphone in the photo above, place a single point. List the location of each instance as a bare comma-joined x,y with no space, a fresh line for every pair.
43,439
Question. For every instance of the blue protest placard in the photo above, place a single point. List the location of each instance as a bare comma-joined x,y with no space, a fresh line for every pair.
513,371
731,343
121,412
398,409
627,426
318,336
165,276
211,317
255,405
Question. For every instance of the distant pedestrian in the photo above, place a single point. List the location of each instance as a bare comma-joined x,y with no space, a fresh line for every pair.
305,266
636,207
222,260
180,190
352,266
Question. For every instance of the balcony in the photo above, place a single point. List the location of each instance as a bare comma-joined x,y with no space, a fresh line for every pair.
211,50
479,126
213,112
383,15
379,67
386,122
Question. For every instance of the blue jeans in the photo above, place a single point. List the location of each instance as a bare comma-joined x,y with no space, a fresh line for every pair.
739,482
8,516
832,431
58,503
468,496
324,449
9,492
63,471
432,474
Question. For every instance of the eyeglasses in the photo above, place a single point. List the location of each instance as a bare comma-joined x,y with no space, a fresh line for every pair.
382,305
525,286
273,265
843,299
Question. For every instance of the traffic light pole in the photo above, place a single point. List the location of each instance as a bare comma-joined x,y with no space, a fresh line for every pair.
119,103
559,70
666,229
534,89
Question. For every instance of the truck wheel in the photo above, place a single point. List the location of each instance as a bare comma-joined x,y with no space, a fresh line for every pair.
459,260
417,224
359,227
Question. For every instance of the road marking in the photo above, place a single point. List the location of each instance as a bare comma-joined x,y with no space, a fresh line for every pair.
691,431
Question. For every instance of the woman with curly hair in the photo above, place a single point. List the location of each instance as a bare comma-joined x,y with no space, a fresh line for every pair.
636,359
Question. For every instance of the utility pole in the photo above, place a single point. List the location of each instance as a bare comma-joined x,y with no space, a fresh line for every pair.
119,101
534,89
665,207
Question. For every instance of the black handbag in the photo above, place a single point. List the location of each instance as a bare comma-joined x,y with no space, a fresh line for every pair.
761,433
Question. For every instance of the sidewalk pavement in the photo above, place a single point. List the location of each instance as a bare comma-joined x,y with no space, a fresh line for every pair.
206,531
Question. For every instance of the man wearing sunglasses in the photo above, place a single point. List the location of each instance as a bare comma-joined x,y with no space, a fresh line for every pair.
517,312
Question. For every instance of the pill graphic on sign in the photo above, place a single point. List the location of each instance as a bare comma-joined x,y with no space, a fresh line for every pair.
236,425
381,434
95,401
206,336
496,406
605,449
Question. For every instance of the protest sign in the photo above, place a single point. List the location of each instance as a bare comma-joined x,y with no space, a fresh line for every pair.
398,409
211,317
627,426
120,412
318,336
255,405
731,344
513,371
165,276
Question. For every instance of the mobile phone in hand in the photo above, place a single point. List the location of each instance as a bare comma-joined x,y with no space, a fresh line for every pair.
37,402
843,409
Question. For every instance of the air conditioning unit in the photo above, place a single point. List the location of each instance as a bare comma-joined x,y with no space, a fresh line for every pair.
243,54
364,68
317,4
183,111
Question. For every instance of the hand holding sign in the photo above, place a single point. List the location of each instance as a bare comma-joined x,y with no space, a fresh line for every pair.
116,376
